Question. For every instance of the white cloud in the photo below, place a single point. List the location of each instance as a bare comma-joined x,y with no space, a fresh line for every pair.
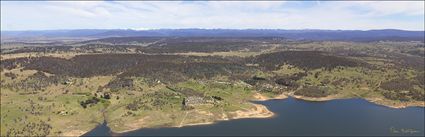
212,14
392,7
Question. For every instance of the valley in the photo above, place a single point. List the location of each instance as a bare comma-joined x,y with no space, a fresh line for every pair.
148,82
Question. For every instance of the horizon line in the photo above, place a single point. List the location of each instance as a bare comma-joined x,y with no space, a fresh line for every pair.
153,29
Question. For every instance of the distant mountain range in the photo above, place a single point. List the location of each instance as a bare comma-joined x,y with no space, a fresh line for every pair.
342,35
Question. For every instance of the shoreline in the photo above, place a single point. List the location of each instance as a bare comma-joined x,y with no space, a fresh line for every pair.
260,97
74,133
377,101
317,99
259,111
395,106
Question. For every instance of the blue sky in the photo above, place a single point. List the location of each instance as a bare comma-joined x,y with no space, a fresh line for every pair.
352,15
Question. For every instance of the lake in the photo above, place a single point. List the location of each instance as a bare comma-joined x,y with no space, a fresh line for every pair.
297,117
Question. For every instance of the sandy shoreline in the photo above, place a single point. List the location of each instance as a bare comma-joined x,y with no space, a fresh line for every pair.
259,111
259,97
327,98
74,133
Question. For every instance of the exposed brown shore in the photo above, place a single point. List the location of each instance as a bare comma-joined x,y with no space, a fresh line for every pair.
397,105
74,133
378,101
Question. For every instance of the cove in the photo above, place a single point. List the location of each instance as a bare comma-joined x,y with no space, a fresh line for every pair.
354,117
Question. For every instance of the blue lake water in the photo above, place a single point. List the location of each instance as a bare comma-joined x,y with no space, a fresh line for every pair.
297,117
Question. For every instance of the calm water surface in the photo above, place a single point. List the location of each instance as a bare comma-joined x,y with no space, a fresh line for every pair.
298,117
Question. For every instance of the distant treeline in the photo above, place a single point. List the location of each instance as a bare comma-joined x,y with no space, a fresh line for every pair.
340,35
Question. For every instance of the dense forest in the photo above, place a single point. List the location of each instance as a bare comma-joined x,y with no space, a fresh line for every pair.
304,59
